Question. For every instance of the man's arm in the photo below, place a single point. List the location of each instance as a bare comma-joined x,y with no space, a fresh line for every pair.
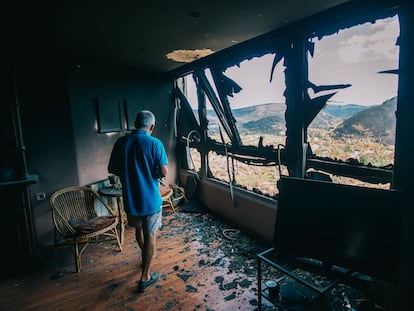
111,166
114,160
163,171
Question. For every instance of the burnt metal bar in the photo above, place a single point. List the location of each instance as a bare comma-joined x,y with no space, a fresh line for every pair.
364,173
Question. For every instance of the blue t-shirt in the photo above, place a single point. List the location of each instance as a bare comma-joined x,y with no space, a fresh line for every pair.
136,158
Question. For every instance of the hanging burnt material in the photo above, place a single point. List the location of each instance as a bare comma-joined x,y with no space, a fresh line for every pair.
218,108
315,105
301,109
227,87
185,105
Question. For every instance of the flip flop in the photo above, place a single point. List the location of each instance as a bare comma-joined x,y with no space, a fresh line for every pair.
143,285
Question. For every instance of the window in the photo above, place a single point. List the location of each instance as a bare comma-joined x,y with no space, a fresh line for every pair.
259,107
258,111
241,110
358,122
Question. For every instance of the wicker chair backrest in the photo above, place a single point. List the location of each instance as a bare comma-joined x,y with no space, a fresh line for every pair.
72,206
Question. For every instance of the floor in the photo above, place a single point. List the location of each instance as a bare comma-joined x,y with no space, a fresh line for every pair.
204,264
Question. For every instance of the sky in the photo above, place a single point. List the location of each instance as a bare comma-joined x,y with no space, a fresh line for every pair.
354,55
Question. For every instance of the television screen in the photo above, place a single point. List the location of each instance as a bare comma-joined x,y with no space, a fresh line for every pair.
358,228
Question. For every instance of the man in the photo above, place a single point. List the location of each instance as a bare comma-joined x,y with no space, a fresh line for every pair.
139,160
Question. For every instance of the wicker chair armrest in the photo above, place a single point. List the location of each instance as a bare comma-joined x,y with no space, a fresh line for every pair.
100,198
64,221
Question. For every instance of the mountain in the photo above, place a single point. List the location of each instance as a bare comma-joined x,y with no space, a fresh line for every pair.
343,111
332,115
325,120
253,118
377,122
259,111
266,125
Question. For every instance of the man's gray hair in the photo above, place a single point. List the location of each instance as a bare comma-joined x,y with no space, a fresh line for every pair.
145,119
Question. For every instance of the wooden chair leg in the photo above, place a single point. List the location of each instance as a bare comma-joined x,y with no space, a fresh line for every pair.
77,257
172,205
118,238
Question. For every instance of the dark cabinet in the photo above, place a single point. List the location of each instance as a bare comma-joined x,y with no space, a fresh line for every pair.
16,223
12,150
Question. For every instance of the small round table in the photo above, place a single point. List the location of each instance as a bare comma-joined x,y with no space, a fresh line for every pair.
113,192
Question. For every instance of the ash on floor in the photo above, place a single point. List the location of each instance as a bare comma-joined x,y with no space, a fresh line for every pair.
233,252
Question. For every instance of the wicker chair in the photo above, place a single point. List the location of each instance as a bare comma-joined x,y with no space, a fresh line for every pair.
76,221
166,193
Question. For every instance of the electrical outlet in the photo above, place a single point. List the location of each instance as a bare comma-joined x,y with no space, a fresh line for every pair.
40,196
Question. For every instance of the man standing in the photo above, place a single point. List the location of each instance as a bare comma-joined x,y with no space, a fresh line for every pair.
139,160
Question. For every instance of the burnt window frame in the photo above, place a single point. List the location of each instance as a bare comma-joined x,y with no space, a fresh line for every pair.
291,43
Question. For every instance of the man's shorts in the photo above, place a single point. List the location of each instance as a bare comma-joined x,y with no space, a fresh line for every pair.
149,223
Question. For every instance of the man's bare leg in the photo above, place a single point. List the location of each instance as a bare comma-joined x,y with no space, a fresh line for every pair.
139,235
147,255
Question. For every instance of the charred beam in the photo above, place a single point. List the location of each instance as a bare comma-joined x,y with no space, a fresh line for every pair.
296,77
227,87
372,175
248,154
215,103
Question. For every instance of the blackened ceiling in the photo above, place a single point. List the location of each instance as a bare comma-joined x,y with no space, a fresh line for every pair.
139,34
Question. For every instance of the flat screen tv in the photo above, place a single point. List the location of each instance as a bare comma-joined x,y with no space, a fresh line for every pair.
354,227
